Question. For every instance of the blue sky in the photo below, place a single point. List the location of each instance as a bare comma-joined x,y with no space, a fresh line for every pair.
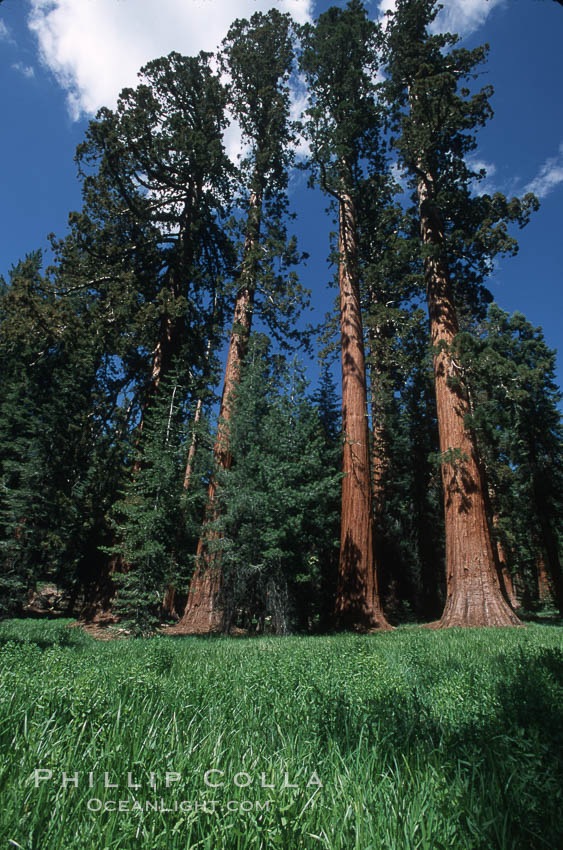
62,59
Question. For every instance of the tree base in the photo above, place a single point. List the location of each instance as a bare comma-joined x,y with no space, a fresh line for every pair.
204,615
460,614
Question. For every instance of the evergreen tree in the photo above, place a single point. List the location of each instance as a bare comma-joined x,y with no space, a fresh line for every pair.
157,184
156,525
60,462
339,61
514,404
257,55
460,234
275,503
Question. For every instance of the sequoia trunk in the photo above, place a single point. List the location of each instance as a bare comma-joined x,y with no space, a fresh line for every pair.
204,609
358,604
505,574
473,592
378,454
545,589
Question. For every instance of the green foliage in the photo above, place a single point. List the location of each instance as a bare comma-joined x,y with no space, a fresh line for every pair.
257,56
277,505
339,60
59,467
105,355
156,522
157,188
409,521
421,740
434,113
515,413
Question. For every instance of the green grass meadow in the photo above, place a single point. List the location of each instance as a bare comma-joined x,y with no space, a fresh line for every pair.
410,740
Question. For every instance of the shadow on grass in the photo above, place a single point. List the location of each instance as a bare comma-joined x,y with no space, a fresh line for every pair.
546,618
500,756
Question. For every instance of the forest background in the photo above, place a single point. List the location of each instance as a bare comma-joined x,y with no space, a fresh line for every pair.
126,505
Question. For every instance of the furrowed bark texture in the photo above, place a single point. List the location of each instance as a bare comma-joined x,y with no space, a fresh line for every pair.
378,454
505,574
204,612
552,563
545,588
473,591
358,604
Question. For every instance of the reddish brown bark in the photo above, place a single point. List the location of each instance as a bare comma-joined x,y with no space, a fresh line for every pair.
509,585
169,603
378,454
358,605
473,592
169,600
550,554
545,589
193,445
204,611
506,575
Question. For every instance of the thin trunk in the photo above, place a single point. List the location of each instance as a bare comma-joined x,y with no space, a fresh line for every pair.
193,445
506,575
552,561
169,601
378,454
545,590
473,592
358,604
160,363
204,611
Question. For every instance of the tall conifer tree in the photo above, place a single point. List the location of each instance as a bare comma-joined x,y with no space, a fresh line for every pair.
459,236
157,186
257,56
339,60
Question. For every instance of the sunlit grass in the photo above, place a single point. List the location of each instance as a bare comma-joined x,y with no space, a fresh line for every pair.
420,739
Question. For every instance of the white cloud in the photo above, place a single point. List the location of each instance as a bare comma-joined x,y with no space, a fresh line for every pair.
96,47
298,105
486,186
5,34
548,177
464,16
457,16
27,70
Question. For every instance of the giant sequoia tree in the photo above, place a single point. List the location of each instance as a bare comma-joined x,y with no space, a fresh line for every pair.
459,235
514,401
109,475
339,61
157,185
257,56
